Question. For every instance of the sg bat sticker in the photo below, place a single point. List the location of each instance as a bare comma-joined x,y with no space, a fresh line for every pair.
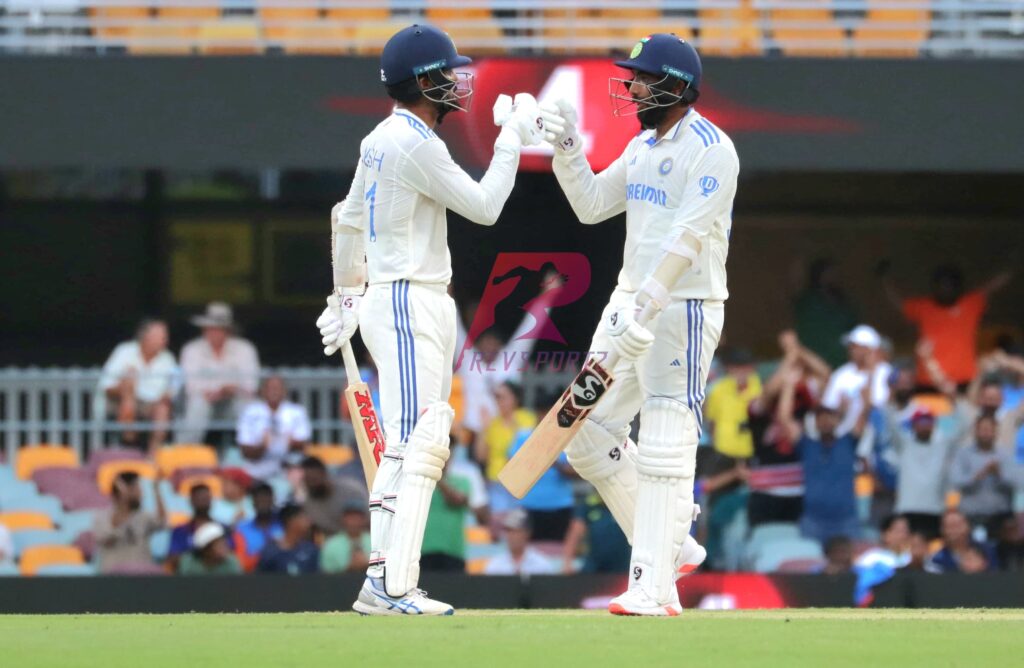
584,393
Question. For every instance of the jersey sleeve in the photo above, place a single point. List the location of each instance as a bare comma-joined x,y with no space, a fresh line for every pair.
429,169
593,197
709,192
975,303
348,251
913,309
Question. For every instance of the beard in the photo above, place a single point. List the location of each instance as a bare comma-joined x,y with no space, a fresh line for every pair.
651,117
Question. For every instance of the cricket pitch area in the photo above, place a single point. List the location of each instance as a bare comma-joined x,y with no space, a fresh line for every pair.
525,639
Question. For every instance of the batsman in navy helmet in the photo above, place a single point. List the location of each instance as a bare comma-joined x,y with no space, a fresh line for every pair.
675,182
392,267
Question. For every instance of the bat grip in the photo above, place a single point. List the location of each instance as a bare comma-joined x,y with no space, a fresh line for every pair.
351,368
649,310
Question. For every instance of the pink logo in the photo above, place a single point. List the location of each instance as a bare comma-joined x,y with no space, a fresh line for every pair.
564,278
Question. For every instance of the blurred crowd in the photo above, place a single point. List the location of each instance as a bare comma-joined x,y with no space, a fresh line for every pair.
838,452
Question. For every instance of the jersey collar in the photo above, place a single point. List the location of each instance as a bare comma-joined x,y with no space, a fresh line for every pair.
690,116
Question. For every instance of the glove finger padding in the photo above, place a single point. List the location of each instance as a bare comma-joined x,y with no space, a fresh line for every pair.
502,109
629,338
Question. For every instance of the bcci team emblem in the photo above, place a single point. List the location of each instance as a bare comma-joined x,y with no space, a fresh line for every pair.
639,47
708,185
665,167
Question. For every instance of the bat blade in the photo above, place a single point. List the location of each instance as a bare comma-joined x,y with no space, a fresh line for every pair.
369,437
555,431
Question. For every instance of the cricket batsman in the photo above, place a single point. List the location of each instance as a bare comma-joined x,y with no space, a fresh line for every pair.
391,271
676,181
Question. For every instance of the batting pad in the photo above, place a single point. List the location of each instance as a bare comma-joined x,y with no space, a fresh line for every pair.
608,463
425,457
666,462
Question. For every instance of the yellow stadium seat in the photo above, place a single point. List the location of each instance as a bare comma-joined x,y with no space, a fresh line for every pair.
189,12
891,30
476,566
159,37
864,485
369,37
580,30
937,403
301,30
115,22
229,37
952,499
110,470
331,455
44,456
175,519
481,37
808,32
25,519
35,557
215,484
170,458
356,16
478,535
729,31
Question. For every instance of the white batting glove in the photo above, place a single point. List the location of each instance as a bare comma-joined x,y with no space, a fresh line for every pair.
630,339
560,120
338,322
520,116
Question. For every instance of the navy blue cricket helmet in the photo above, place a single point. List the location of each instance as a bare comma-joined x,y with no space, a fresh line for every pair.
663,54
416,50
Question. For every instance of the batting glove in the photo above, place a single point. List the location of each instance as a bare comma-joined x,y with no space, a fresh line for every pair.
338,322
560,120
629,339
521,117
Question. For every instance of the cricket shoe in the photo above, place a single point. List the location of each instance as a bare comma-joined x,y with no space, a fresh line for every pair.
638,604
374,600
691,556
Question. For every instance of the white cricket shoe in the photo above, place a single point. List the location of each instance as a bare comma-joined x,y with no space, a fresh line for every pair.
636,603
691,556
373,600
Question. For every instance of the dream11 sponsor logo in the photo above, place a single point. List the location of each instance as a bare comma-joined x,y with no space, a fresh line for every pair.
560,279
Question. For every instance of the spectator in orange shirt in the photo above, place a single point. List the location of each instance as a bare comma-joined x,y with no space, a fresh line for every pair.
949,319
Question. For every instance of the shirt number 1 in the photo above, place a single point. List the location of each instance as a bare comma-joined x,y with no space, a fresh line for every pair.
371,195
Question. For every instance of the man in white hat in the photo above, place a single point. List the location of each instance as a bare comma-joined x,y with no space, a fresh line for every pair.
844,391
221,373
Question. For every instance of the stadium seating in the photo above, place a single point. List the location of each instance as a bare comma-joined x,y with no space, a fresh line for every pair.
37,556
229,37
173,457
213,482
116,22
32,458
66,570
776,552
729,31
13,491
764,534
331,455
32,537
46,504
809,31
26,520
98,458
890,30
301,30
108,471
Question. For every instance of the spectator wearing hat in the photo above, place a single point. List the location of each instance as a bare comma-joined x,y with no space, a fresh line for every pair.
923,455
234,505
182,536
210,553
960,553
327,496
844,393
949,317
518,558
122,534
270,428
138,383
829,462
221,372
349,549
294,553
985,477
264,527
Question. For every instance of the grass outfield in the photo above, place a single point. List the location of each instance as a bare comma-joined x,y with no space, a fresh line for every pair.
526,639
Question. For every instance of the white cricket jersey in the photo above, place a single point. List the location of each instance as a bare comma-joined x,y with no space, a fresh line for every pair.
405,180
684,181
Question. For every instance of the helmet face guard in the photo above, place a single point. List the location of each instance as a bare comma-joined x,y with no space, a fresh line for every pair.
624,104
451,90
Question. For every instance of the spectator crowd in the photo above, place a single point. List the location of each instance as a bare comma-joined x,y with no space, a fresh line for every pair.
838,452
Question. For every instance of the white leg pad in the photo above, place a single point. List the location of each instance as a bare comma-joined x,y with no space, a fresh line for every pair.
425,457
383,503
608,462
666,462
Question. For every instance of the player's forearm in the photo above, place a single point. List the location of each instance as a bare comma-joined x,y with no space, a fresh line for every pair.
593,197
348,256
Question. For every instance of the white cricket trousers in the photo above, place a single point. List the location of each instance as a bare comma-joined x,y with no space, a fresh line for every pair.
409,329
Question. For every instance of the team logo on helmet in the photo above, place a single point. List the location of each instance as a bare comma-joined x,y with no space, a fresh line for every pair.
639,47
383,77
665,167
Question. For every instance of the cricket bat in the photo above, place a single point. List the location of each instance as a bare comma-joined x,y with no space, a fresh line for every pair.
565,418
369,436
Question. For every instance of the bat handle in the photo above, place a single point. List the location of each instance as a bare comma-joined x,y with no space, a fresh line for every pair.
351,368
